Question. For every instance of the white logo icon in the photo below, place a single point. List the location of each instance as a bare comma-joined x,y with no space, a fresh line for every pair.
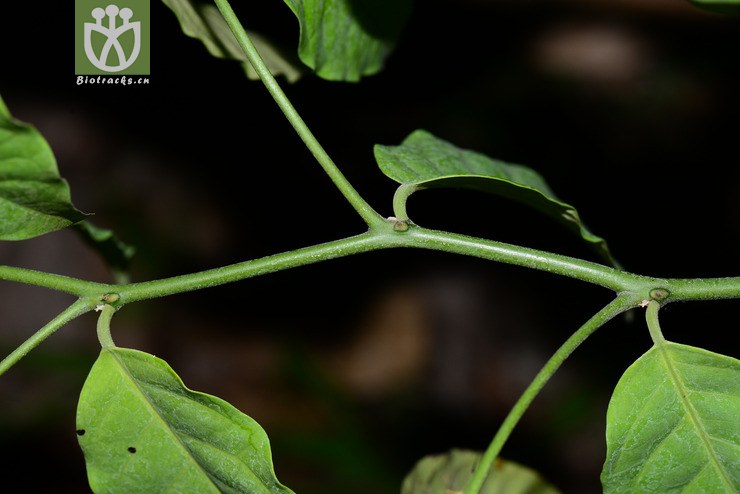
111,33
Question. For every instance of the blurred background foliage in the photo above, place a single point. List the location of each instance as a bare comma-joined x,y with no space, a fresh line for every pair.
359,367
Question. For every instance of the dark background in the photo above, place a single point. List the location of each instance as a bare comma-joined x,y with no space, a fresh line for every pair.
360,366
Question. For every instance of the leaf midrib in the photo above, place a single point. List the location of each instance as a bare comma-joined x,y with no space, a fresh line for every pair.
177,433
678,384
156,413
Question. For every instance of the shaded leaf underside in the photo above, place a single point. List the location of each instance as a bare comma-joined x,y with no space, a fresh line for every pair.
345,40
423,160
204,22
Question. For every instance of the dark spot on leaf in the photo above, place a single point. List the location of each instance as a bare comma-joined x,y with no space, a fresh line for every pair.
80,432
131,449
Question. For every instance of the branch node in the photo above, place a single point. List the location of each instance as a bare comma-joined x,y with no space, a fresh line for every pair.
110,298
398,225
659,294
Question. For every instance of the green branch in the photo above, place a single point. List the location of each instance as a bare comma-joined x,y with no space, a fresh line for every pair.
249,269
702,288
618,305
358,203
591,272
73,286
73,311
384,236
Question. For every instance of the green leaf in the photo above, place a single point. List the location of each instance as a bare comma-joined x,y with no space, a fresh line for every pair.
203,21
344,40
116,253
721,6
449,473
34,199
142,431
673,424
425,161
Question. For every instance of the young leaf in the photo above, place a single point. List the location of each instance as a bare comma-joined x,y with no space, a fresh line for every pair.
425,161
343,40
142,431
34,199
203,21
673,424
449,473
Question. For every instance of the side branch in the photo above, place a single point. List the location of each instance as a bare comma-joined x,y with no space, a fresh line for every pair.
620,304
358,203
73,311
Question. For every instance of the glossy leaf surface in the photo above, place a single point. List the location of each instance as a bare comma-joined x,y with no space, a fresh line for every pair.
426,161
344,40
204,22
673,424
449,473
142,431
34,199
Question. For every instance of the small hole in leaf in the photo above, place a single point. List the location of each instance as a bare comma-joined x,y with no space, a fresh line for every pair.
131,449
80,432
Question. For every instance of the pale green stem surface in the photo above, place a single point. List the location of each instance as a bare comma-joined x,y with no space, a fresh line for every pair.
76,309
384,237
358,203
651,316
618,305
103,326
248,269
56,282
403,192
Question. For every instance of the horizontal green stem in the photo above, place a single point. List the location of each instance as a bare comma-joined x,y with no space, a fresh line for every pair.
56,282
618,305
702,288
383,236
76,309
591,272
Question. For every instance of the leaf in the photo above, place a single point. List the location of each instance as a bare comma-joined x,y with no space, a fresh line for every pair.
142,431
722,6
116,253
425,161
344,40
673,424
34,199
204,22
449,473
